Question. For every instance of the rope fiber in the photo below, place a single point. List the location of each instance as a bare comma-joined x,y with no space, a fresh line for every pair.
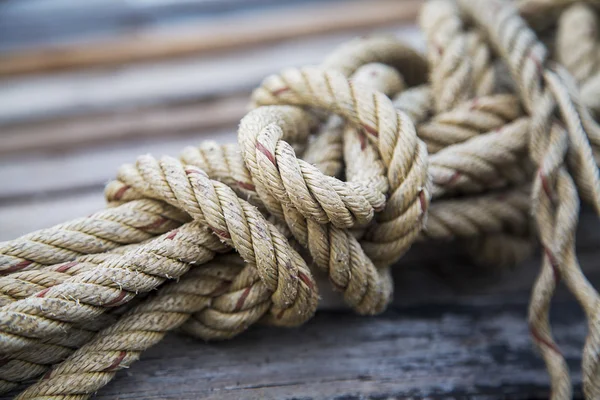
488,139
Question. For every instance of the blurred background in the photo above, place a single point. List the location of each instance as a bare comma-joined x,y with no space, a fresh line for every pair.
87,86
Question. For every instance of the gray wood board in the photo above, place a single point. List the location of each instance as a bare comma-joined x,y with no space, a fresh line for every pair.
25,23
87,91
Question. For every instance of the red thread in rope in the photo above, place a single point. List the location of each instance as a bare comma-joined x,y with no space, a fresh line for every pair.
115,302
240,303
266,152
277,92
17,266
121,192
67,266
116,362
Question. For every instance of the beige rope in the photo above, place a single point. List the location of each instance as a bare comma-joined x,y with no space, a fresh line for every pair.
555,198
230,311
56,282
447,51
221,287
401,152
447,220
99,232
333,249
578,50
577,47
223,173
416,102
469,119
479,215
488,161
467,77
387,50
281,268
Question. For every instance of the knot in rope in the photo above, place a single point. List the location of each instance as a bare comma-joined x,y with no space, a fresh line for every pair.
339,169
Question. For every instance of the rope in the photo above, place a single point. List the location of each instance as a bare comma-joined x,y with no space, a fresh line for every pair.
342,167
462,64
555,197
102,231
468,119
204,292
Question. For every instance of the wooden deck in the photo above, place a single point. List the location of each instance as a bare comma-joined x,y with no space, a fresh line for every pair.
99,84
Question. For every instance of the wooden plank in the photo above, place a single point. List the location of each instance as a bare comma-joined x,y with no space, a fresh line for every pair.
24,176
25,23
436,351
146,122
242,31
56,95
45,211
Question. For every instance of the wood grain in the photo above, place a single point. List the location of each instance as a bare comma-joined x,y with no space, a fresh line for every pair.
24,176
117,126
267,26
43,97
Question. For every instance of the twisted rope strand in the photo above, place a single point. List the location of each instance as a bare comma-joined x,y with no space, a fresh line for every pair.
223,172
58,283
234,221
13,331
334,250
282,179
390,130
101,231
416,102
488,161
447,51
555,204
117,347
469,119
577,41
479,215
54,310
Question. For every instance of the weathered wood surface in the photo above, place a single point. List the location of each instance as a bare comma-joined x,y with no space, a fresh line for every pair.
419,352
215,33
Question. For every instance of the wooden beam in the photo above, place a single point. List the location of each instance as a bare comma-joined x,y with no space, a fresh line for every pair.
166,121
220,34
28,99
24,176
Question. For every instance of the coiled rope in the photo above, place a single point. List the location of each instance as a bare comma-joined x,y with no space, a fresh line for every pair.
342,167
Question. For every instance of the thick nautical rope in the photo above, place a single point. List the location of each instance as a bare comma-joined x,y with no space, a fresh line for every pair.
578,50
447,220
332,248
100,232
122,190
29,320
463,78
353,229
220,294
577,47
468,119
391,131
451,68
210,152
230,312
225,173
555,199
